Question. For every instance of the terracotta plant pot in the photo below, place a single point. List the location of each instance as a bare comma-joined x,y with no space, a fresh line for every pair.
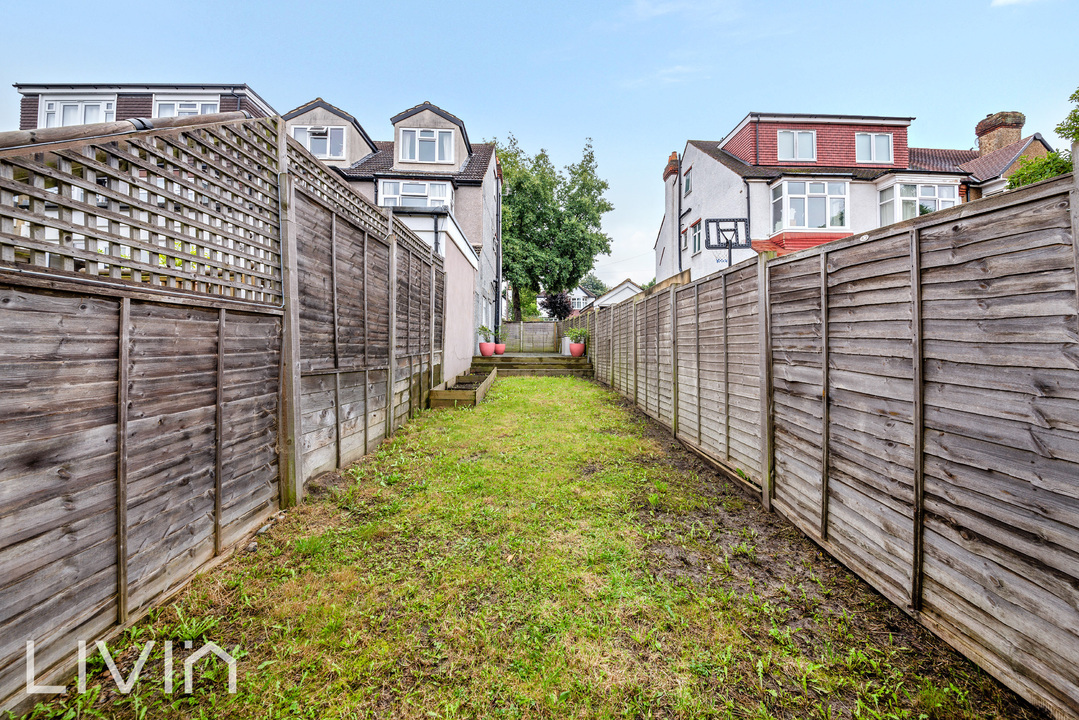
487,349
500,348
576,349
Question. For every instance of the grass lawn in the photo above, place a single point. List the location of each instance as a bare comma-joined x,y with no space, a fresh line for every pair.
548,554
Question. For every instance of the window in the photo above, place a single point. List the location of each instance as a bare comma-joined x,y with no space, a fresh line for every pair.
427,146
577,303
809,204
687,182
873,147
685,239
696,230
59,112
798,145
406,193
326,142
184,107
906,201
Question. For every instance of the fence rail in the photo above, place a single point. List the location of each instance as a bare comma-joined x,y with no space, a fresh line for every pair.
909,399
195,320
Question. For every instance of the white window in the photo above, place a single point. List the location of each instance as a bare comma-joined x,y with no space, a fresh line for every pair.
427,146
62,112
577,303
797,145
696,231
809,204
685,240
873,147
184,107
325,142
687,182
905,201
408,193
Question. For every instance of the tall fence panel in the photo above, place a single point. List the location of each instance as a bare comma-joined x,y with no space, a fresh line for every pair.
144,314
530,336
910,400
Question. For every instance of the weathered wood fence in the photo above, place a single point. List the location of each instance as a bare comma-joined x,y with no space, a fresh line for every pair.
195,319
909,399
530,336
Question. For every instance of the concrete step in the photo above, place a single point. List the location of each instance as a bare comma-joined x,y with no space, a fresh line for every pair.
534,366
543,372
500,360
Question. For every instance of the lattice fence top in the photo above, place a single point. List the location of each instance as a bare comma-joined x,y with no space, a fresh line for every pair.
316,180
192,209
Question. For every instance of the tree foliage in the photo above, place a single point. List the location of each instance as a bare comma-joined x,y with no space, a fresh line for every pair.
1032,170
551,219
650,284
558,305
593,284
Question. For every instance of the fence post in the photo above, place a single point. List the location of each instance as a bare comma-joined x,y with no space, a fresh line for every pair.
697,362
764,325
610,345
726,379
391,372
633,335
825,432
366,360
919,421
121,459
290,449
1073,202
674,360
219,431
336,341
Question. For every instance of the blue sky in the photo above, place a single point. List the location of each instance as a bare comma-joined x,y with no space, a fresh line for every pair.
639,77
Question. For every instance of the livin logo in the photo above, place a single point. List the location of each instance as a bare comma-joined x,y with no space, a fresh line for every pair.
125,685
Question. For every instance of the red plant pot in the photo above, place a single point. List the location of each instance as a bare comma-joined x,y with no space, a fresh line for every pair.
500,348
487,349
576,349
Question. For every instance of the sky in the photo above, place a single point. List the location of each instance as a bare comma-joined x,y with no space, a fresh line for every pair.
638,77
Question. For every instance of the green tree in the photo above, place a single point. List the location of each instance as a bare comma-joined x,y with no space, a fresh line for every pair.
593,284
551,220
1032,170
650,284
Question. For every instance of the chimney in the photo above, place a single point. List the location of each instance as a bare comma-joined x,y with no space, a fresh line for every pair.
672,166
999,130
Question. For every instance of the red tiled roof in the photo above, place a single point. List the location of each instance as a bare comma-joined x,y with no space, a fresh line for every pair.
939,159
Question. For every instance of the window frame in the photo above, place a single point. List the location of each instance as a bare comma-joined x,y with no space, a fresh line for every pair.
416,159
897,199
784,201
107,105
685,239
687,182
796,159
695,233
382,194
329,129
176,99
873,160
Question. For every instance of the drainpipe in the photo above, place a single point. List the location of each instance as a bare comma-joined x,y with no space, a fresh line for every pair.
749,236
498,289
678,231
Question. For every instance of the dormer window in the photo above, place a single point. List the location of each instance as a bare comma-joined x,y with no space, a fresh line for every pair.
433,146
326,142
874,148
797,145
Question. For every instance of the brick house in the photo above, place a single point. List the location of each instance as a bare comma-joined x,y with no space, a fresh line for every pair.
784,182
443,186
60,104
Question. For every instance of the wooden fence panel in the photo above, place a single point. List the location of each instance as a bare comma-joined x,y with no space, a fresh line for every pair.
687,358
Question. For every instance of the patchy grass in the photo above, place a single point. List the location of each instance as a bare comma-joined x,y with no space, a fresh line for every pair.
547,554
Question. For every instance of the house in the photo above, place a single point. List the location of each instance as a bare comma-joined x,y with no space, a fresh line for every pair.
444,187
622,291
579,298
60,104
784,182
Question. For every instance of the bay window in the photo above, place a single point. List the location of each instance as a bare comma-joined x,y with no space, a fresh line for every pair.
408,193
797,145
873,148
809,204
420,145
909,200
